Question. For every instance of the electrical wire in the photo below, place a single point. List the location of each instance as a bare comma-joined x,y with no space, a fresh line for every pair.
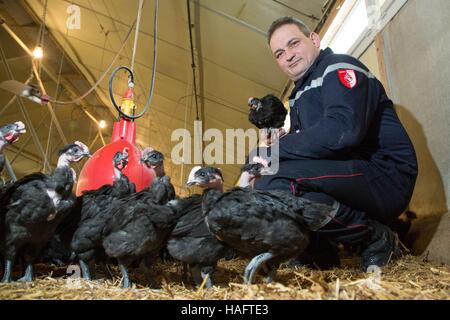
192,59
136,34
131,73
76,100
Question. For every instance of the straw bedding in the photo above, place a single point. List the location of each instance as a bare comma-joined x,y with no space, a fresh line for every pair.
406,278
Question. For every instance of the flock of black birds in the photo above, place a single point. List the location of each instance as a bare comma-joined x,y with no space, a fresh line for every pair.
41,219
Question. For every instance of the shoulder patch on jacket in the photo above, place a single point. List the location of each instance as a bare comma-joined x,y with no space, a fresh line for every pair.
348,77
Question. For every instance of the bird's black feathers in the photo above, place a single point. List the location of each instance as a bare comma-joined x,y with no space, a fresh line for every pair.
32,208
270,114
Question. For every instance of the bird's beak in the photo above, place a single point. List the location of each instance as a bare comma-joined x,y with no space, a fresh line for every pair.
154,166
191,178
254,103
20,127
44,99
143,159
191,181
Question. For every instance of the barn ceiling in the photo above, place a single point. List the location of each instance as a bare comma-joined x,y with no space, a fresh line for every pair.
231,56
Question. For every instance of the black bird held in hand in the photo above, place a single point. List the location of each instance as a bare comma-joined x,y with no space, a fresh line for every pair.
9,134
267,226
267,112
97,208
32,208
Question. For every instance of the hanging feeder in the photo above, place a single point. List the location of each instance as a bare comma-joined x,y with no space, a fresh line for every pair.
98,170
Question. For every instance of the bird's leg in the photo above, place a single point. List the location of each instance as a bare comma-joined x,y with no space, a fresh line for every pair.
28,276
207,272
145,267
185,273
254,265
126,279
196,274
85,270
8,271
28,258
200,274
270,273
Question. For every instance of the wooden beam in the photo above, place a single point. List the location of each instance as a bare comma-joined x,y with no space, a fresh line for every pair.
379,46
333,12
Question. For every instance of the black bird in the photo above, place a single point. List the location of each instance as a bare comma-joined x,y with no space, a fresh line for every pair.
96,210
33,206
154,160
267,226
139,228
192,243
9,134
267,112
58,251
161,191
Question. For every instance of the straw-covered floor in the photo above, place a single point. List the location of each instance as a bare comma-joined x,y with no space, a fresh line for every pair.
405,278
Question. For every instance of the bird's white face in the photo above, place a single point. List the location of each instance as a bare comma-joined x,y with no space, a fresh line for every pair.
254,103
204,178
192,179
152,158
120,160
10,133
78,152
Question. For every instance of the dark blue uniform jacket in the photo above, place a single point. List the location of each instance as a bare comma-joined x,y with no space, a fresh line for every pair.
332,120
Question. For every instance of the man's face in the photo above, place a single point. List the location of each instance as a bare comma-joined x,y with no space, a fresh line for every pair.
294,51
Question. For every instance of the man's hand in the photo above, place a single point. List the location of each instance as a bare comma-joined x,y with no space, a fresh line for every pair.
261,160
270,136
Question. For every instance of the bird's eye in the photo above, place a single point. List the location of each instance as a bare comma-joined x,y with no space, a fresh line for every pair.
202,174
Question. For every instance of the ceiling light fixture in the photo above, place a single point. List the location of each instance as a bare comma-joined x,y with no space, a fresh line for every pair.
38,53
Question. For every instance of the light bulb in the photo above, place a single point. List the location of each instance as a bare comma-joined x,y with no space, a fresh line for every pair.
38,53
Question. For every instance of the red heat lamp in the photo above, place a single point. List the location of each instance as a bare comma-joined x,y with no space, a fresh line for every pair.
98,170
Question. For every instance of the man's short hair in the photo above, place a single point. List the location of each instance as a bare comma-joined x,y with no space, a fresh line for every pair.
287,20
